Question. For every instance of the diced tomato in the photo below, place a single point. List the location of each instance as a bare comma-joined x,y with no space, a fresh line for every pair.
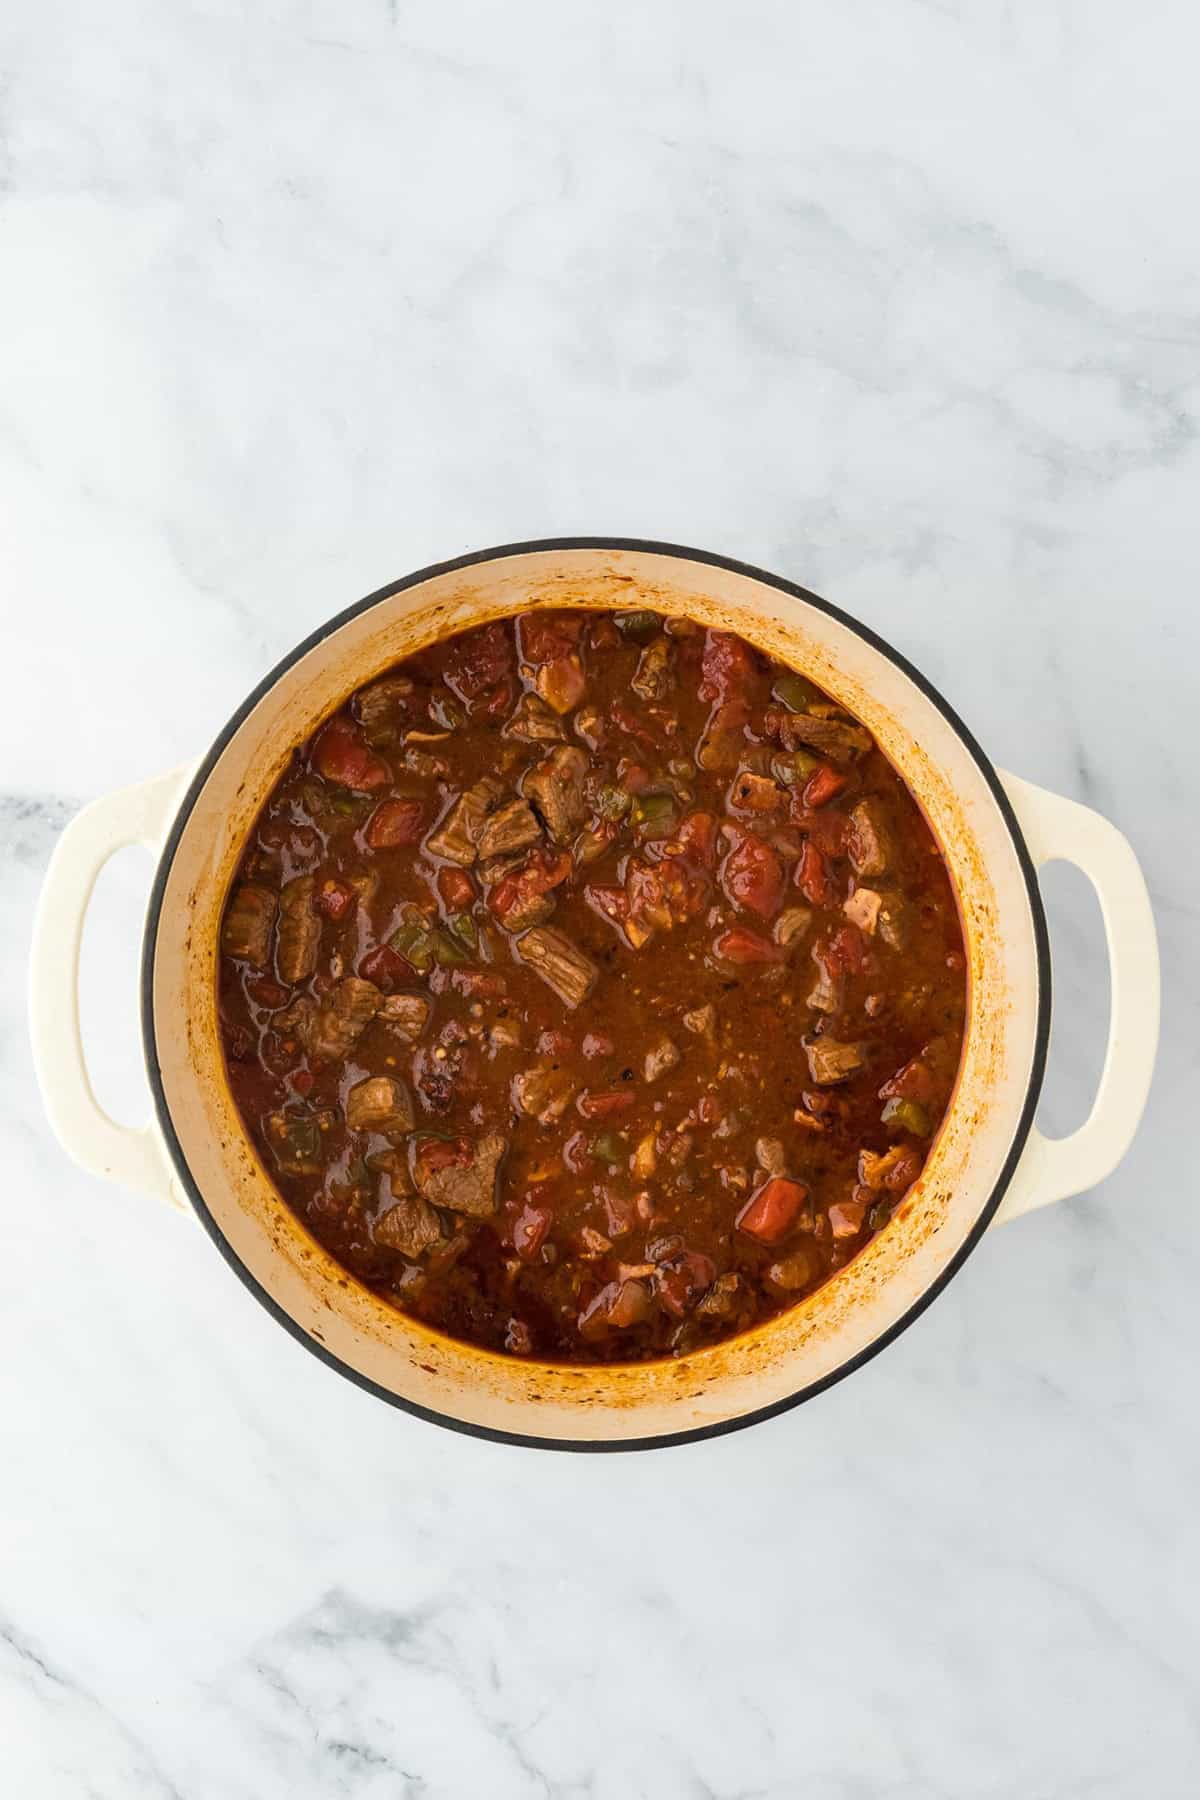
738,945
612,903
530,1229
828,830
632,776
843,954
915,1081
696,840
813,877
604,1106
385,967
334,899
725,666
680,1282
478,984
546,636
542,872
823,785
772,1209
752,875
341,754
441,1153
265,992
497,703
456,889
396,823
478,660
634,725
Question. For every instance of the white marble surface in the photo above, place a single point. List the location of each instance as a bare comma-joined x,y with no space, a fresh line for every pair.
897,297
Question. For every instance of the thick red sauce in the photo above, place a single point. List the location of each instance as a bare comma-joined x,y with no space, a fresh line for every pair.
592,987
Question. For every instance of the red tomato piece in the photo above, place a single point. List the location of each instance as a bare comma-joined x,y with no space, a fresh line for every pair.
456,889
813,877
441,1153
629,722
604,1106
680,1282
530,1229
823,785
632,776
478,661
772,1209
612,903
725,666
542,872
844,952
342,754
334,899
544,637
752,875
396,823
915,1081
385,967
828,830
265,992
696,840
738,945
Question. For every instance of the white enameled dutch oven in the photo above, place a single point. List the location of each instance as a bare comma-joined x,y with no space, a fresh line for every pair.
988,1162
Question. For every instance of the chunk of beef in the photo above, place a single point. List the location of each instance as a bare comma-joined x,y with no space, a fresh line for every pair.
771,1155
797,1270
330,1031
830,1062
543,1093
380,1103
834,739
512,828
383,709
406,1014
524,896
828,992
661,1056
654,677
723,1297
870,845
534,722
562,966
299,935
457,837
562,683
410,1226
556,788
862,909
463,1181
246,927
791,925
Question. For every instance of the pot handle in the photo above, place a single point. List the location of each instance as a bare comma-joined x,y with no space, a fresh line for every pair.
134,1157
1054,829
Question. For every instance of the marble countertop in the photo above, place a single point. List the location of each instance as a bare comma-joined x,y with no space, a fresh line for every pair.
898,300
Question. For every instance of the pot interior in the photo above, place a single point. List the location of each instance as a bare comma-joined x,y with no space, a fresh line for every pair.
791,1354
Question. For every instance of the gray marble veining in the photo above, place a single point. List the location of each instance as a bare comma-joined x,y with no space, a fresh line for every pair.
899,300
